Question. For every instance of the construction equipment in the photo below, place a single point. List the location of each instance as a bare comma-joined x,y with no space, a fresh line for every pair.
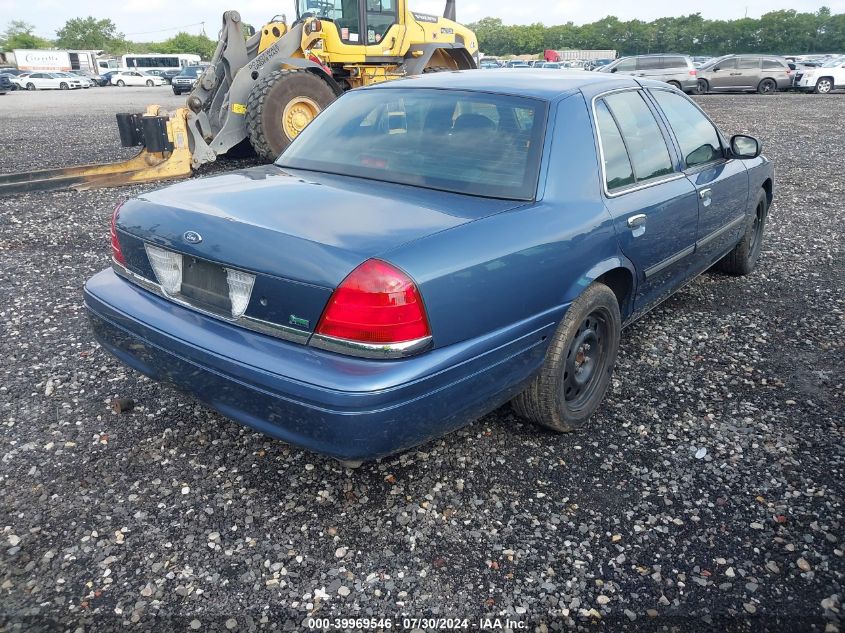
264,90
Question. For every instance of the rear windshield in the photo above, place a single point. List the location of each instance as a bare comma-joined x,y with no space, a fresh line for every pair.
464,142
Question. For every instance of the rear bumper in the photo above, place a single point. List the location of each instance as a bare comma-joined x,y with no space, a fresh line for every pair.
348,408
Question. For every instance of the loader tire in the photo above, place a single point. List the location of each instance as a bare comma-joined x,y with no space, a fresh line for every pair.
280,106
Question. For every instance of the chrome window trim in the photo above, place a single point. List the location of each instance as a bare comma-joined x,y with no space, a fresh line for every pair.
256,325
637,186
390,351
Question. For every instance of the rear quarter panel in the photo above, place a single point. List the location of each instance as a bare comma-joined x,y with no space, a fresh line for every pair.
526,264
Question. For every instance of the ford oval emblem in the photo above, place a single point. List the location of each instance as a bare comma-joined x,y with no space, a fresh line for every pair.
192,237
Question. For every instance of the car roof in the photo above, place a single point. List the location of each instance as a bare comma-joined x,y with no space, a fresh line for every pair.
511,81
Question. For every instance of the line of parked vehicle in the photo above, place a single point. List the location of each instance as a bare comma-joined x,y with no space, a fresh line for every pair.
729,73
180,79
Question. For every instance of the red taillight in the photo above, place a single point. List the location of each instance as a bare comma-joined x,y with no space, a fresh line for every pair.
693,72
116,253
377,303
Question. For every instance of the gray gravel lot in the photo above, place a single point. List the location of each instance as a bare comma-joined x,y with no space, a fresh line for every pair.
707,494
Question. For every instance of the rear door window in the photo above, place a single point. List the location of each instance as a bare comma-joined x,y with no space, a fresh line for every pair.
675,62
698,139
642,135
617,168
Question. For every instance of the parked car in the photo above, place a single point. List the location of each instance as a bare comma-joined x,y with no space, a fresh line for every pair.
184,81
829,76
83,81
166,75
517,63
549,65
94,79
676,70
745,73
7,83
48,81
106,77
424,252
135,78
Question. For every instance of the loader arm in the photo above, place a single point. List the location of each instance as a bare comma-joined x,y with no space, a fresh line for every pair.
217,103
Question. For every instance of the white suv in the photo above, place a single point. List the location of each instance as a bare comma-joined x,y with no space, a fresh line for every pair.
823,79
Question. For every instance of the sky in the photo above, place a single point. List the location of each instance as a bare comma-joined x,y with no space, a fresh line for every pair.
151,20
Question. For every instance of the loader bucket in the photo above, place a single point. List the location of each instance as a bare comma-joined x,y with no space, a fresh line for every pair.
166,155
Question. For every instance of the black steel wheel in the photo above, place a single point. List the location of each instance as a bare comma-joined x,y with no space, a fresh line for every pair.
743,258
703,87
579,363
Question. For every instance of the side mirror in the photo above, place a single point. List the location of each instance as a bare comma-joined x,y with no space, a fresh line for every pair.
613,70
743,146
716,69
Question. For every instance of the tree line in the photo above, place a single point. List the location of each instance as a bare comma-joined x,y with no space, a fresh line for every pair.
775,32
93,34
784,32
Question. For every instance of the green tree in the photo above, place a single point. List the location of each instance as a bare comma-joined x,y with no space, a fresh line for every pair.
186,43
19,34
90,33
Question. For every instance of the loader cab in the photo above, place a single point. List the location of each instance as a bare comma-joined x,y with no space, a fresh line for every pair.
358,22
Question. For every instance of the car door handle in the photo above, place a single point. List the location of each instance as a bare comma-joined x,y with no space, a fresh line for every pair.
705,193
636,221
735,74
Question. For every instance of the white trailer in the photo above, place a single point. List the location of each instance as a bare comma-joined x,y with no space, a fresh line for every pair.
51,60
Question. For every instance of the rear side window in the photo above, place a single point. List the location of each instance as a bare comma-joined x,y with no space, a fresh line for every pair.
772,64
675,62
617,167
697,137
643,139
650,63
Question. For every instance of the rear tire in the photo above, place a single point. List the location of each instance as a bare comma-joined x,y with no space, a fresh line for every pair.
823,86
743,258
767,87
578,365
280,106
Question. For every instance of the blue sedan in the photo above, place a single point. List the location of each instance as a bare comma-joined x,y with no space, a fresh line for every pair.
428,250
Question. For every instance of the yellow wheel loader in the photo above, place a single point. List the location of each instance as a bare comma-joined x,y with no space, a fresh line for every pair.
264,90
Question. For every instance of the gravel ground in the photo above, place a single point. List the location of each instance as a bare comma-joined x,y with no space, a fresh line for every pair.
707,494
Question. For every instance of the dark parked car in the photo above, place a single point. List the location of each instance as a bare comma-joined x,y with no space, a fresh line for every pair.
427,250
105,78
184,81
745,73
675,70
6,84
